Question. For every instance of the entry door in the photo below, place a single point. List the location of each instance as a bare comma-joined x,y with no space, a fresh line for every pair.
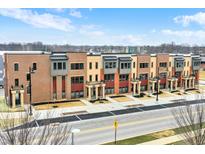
18,101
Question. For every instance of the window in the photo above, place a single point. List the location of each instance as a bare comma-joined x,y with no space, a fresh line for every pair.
77,66
125,65
124,77
16,67
64,65
90,65
144,65
96,77
151,74
110,64
188,64
54,66
90,78
77,79
133,76
60,66
34,66
133,64
28,76
184,63
143,76
170,64
16,82
163,75
109,77
163,64
96,65
152,65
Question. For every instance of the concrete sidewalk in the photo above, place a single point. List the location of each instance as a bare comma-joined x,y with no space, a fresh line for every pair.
164,140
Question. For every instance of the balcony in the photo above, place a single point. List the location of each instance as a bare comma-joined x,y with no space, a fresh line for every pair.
196,62
179,63
110,64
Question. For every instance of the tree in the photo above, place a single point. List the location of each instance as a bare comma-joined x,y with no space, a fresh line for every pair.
29,133
191,121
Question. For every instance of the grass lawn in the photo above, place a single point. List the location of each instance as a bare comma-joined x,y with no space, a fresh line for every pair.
5,108
150,137
122,99
144,138
58,105
10,122
201,75
202,87
178,143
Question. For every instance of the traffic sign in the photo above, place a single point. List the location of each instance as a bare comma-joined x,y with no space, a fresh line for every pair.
116,124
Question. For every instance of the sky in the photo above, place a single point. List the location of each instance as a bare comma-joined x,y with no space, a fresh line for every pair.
103,26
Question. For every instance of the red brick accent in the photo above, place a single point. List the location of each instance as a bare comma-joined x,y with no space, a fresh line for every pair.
77,87
116,82
109,84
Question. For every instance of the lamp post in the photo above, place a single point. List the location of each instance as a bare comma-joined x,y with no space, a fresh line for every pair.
31,71
73,132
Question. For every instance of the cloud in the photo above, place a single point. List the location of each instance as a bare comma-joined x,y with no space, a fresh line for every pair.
185,33
186,20
75,13
91,30
60,10
127,39
45,20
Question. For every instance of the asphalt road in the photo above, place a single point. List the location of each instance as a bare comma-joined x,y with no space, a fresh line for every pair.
98,128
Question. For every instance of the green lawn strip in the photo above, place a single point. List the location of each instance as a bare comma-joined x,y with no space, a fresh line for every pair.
178,143
147,137
134,140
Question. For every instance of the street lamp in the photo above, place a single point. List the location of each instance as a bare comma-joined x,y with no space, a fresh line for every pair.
73,131
31,71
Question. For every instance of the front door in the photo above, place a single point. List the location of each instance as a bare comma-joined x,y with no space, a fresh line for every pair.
18,99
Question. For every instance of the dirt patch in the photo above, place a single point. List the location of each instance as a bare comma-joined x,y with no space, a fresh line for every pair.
165,133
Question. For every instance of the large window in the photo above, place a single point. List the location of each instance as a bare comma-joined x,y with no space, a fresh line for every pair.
125,65
196,63
163,64
59,65
163,75
144,65
109,77
143,76
77,66
63,87
110,64
54,87
96,77
133,64
16,67
77,79
124,77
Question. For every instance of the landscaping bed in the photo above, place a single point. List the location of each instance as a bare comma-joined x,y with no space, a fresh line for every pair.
100,101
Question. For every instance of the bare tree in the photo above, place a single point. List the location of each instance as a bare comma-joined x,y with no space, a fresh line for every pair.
24,130
191,122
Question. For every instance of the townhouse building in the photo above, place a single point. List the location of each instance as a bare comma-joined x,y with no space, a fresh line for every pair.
74,75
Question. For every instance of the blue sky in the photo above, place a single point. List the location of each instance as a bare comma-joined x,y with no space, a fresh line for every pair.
103,26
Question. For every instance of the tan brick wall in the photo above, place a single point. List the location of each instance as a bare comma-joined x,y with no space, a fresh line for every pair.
40,79
76,58
94,71
143,59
